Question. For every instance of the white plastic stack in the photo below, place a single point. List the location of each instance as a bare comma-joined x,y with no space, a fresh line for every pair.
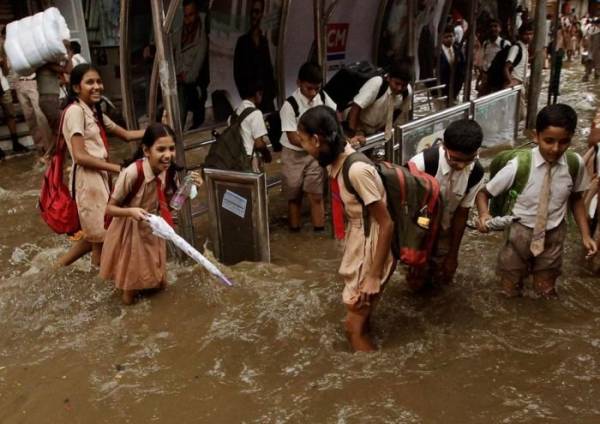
33,41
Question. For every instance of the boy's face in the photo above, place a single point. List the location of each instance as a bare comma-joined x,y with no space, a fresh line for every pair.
553,142
448,39
397,86
309,89
526,37
495,30
458,160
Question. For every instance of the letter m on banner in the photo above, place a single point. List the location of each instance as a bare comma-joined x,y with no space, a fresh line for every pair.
337,37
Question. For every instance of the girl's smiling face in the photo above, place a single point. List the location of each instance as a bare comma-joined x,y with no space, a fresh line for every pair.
91,87
161,154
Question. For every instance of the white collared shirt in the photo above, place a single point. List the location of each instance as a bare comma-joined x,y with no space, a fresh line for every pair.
289,120
453,185
527,202
374,110
252,127
449,53
520,71
491,49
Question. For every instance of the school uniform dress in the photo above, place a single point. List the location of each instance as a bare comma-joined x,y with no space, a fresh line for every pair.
91,185
132,256
515,260
359,249
300,172
374,111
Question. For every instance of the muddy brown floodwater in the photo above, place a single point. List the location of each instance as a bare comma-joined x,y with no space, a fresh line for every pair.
272,350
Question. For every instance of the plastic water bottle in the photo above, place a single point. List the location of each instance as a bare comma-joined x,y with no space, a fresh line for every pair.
182,194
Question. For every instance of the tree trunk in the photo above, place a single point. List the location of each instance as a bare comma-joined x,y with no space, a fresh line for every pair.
535,81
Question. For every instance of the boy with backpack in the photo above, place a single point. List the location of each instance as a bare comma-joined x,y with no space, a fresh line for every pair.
246,134
491,47
455,166
536,187
515,68
301,173
381,102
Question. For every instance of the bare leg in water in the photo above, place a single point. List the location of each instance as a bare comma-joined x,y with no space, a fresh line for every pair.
79,249
356,324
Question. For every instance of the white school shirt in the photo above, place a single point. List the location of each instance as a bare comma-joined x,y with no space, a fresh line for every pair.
491,49
520,71
458,180
77,59
527,202
374,110
252,127
289,120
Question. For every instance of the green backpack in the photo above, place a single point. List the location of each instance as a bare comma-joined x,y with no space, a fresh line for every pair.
502,205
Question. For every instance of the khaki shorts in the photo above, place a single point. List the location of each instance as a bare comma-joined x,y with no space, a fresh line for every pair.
7,105
515,260
300,172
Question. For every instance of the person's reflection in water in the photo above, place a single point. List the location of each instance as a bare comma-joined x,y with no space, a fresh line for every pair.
252,60
192,62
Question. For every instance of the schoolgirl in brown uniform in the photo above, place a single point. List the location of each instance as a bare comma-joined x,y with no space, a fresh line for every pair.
367,262
84,128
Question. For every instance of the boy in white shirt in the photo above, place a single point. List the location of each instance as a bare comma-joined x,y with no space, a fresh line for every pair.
534,244
372,111
515,70
301,173
253,129
455,166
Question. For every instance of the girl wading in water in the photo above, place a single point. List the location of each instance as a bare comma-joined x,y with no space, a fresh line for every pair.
367,262
84,128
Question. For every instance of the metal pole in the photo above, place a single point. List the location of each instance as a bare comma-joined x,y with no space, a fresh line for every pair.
470,49
411,9
554,55
125,69
318,13
166,66
535,80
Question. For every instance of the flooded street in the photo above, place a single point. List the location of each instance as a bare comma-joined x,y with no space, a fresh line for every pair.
272,349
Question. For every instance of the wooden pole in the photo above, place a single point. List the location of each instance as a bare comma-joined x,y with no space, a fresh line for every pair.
470,49
535,80
168,85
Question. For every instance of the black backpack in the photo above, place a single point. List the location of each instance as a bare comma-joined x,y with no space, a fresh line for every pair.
431,157
495,73
347,82
274,121
228,152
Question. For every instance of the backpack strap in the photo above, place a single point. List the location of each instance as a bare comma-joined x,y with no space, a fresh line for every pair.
573,164
139,180
519,56
475,176
237,120
294,104
382,89
524,159
431,157
353,158
322,95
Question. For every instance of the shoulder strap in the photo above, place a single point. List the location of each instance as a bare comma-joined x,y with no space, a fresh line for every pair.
243,115
431,157
573,164
523,170
382,89
354,157
322,94
139,180
475,176
294,104
519,55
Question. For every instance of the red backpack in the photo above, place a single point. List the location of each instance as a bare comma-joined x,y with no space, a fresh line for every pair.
414,204
58,208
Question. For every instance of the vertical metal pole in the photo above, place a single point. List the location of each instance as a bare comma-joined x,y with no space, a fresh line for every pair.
535,80
412,48
125,69
470,49
554,53
166,66
319,31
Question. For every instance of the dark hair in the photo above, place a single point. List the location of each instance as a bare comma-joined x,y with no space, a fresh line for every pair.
464,136
190,2
75,47
526,26
322,120
495,21
558,115
401,70
449,30
310,72
250,89
75,79
153,133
